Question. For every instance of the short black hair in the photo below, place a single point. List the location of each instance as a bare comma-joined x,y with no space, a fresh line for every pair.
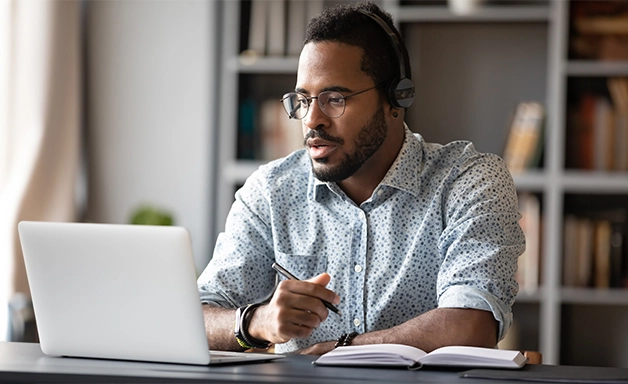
347,24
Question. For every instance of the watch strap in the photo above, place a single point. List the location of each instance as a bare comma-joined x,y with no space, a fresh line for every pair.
242,321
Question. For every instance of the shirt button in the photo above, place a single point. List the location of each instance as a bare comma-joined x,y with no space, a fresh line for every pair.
358,268
356,322
380,192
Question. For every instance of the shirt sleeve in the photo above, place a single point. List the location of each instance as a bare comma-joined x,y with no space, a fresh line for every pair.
482,239
240,272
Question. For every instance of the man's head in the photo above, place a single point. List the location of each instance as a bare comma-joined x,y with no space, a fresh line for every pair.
368,27
351,128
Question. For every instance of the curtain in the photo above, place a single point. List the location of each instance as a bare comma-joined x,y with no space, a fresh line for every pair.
40,118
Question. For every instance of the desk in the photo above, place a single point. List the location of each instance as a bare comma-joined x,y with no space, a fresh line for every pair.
25,363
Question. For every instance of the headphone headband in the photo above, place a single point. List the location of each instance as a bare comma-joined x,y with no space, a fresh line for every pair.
393,38
401,91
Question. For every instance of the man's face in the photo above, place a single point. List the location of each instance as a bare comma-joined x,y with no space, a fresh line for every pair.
338,147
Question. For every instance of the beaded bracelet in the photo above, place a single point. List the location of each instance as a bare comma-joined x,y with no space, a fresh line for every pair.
345,339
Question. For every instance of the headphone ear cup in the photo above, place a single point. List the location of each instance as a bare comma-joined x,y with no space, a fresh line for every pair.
401,93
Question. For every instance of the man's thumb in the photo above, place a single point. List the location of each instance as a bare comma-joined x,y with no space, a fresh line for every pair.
322,279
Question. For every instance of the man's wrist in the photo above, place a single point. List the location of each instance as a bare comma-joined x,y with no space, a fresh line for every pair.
241,330
256,324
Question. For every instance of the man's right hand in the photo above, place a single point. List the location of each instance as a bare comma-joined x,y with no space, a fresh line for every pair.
295,310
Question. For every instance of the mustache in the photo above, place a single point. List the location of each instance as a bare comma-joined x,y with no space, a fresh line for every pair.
320,133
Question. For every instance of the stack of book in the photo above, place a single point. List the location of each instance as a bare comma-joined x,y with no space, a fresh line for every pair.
277,27
597,129
594,249
266,133
600,30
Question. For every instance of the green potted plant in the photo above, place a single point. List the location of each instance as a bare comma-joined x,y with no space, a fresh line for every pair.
151,215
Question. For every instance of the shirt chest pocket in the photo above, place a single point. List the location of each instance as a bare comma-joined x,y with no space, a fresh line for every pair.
302,266
308,253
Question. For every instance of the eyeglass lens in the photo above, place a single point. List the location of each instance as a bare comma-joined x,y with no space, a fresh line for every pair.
297,105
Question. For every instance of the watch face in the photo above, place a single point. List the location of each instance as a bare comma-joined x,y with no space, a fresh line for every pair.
238,321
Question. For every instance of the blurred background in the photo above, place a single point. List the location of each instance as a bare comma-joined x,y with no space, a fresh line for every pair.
157,111
106,108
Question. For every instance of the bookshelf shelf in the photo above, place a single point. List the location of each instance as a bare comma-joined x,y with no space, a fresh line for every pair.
530,297
264,65
587,296
533,181
597,68
594,182
501,14
459,61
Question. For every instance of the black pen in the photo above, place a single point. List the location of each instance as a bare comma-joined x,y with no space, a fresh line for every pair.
283,272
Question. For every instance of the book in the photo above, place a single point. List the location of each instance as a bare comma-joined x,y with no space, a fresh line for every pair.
618,89
276,28
570,234
617,253
296,26
620,160
258,28
524,142
584,252
414,358
602,254
528,263
247,138
583,131
279,135
603,140
603,25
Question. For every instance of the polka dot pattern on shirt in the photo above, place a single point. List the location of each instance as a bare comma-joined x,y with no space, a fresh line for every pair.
441,230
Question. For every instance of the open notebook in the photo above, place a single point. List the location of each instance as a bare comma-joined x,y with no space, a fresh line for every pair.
118,292
414,358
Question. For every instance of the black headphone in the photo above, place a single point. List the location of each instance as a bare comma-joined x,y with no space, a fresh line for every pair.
401,90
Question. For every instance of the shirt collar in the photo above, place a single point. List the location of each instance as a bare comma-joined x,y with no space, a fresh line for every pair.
403,174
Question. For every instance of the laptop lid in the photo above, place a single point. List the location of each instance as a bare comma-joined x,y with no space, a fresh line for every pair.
115,291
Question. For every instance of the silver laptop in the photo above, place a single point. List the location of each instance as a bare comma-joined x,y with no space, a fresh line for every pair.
124,292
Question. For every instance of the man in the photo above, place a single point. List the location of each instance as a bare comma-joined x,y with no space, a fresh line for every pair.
415,243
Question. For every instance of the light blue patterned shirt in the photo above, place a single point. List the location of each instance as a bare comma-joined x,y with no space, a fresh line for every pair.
440,230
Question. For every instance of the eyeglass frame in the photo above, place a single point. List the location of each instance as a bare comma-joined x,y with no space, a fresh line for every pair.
310,98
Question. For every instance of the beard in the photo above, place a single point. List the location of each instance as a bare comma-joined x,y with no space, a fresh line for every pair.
369,139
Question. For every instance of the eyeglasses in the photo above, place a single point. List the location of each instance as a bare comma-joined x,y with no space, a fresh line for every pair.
332,103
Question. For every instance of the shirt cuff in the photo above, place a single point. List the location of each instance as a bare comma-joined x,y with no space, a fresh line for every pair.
214,299
472,298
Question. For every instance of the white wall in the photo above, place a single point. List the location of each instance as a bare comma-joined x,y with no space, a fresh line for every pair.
149,115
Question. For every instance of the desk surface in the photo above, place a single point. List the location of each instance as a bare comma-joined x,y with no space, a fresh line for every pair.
24,362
